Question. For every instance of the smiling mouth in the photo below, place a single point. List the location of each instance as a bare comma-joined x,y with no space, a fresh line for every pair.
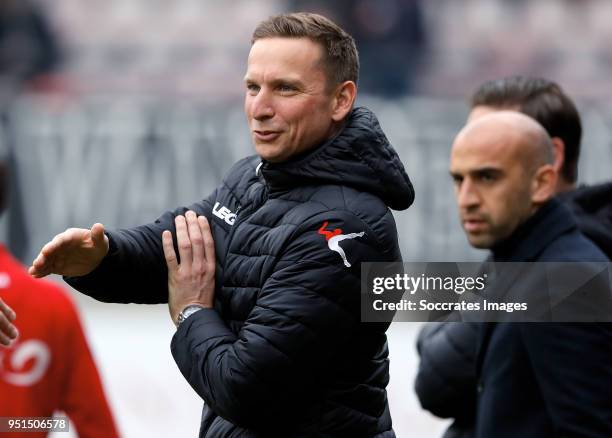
266,135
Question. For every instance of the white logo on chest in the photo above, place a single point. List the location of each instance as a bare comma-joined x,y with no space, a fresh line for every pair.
224,213
30,350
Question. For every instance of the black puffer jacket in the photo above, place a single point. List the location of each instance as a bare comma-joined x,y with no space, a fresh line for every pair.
446,380
592,206
284,352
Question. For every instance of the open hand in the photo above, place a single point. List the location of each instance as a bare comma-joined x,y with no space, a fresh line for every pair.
75,252
193,280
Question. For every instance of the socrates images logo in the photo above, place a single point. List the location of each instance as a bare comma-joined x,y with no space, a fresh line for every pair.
335,237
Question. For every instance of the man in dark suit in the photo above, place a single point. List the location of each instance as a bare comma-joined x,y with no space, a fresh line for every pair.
534,380
446,382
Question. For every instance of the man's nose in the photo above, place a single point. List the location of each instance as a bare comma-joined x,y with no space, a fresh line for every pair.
262,106
467,195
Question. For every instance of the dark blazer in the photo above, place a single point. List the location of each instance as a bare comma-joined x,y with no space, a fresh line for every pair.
545,379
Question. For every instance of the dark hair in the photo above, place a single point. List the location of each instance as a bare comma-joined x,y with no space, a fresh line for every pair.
544,101
340,59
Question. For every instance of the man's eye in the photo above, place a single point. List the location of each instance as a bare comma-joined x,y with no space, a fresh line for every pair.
487,177
286,88
252,88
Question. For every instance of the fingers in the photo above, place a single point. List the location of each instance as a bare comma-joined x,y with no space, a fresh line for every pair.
7,311
41,266
43,263
75,252
38,266
97,235
49,249
209,243
8,331
182,239
4,339
97,232
196,239
169,252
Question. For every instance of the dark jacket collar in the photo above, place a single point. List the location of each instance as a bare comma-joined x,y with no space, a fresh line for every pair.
592,207
360,157
536,233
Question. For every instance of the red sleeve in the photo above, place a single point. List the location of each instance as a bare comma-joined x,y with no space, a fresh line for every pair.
83,398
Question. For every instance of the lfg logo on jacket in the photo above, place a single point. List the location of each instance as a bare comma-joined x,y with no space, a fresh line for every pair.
335,237
224,213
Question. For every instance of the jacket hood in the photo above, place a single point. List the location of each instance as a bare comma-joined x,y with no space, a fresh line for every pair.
360,157
592,206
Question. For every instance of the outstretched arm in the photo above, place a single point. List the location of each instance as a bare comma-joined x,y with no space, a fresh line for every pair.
122,266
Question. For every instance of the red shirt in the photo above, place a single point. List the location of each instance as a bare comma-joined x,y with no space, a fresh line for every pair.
49,367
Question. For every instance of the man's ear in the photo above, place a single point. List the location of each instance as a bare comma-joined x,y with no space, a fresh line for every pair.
559,151
543,184
344,97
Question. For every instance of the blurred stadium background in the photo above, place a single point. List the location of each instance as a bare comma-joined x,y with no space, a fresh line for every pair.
115,111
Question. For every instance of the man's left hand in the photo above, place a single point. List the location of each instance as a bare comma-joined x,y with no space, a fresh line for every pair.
192,281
